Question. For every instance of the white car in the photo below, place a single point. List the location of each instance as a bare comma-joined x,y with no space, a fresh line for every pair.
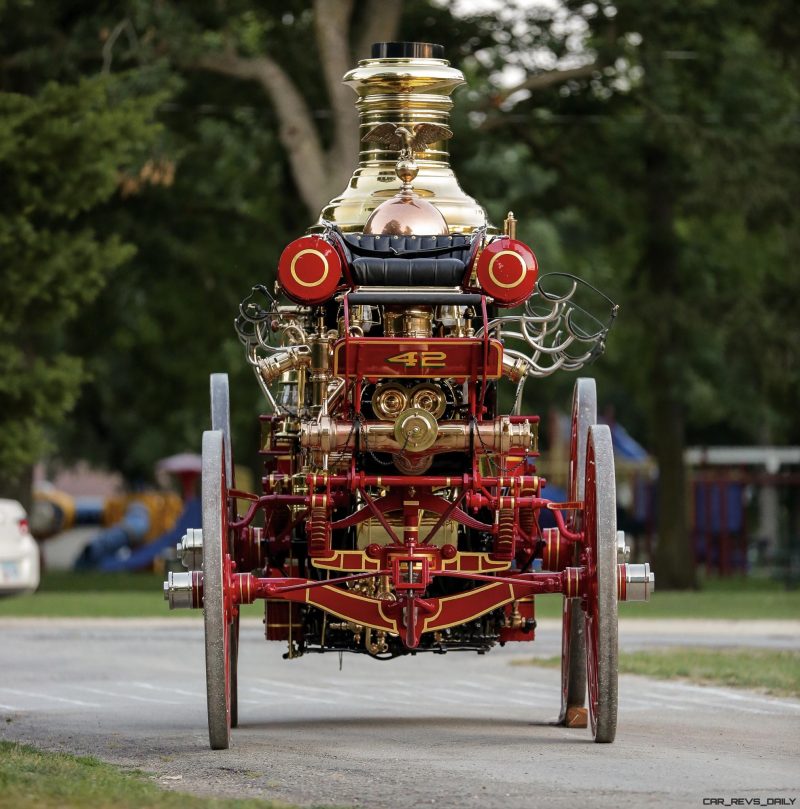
19,553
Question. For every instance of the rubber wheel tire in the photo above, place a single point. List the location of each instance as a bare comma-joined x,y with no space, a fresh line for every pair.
573,642
221,420
216,617
602,643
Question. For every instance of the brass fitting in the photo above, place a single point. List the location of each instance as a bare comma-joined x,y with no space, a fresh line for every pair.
290,359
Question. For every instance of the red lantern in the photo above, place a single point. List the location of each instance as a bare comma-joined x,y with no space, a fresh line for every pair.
507,271
309,270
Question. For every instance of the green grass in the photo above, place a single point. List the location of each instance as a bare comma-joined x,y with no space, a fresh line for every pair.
736,598
65,581
87,605
776,672
31,779
100,595
64,594
139,595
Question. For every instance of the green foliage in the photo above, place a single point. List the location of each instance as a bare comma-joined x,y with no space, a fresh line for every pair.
61,152
167,315
711,117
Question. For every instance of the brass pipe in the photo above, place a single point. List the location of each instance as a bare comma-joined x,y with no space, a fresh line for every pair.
319,365
498,435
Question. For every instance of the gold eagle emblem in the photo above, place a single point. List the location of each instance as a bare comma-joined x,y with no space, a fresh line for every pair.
407,139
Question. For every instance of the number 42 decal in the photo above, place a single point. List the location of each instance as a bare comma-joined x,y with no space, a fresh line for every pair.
419,359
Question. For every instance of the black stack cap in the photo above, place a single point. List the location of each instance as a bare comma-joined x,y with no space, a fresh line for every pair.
407,50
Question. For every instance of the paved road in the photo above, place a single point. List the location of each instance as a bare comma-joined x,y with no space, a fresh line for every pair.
456,731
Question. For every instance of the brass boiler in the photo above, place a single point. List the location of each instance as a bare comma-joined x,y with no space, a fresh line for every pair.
408,89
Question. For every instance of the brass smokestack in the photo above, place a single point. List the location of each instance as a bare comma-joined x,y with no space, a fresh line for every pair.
404,83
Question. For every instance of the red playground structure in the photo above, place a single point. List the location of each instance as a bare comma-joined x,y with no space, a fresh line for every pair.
399,506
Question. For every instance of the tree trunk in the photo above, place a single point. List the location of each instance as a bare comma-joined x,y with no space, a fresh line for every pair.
674,558
319,174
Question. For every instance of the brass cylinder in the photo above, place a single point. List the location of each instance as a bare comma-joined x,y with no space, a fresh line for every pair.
510,225
408,322
428,397
498,435
405,91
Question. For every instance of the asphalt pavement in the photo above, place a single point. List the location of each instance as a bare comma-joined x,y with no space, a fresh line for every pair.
459,730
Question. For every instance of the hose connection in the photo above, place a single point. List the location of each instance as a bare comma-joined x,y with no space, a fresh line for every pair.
184,591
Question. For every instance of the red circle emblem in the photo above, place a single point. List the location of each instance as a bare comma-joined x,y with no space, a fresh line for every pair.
309,270
507,271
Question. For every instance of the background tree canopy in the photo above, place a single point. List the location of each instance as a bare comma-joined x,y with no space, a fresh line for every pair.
156,158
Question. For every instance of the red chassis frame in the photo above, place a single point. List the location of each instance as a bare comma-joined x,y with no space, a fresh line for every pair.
409,561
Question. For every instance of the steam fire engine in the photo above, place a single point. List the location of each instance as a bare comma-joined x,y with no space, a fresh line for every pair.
399,509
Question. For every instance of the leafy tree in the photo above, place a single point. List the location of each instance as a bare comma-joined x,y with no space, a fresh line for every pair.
61,151
679,158
167,315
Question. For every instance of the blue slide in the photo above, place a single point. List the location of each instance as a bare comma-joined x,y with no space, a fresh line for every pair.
191,517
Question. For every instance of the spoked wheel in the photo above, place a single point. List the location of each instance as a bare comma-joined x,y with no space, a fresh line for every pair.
573,645
221,420
600,526
217,607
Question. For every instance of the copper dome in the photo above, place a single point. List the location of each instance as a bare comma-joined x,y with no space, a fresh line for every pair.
406,214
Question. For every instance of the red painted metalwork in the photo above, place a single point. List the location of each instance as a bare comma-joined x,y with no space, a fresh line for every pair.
356,480
558,551
622,582
410,615
506,532
507,270
414,358
309,270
